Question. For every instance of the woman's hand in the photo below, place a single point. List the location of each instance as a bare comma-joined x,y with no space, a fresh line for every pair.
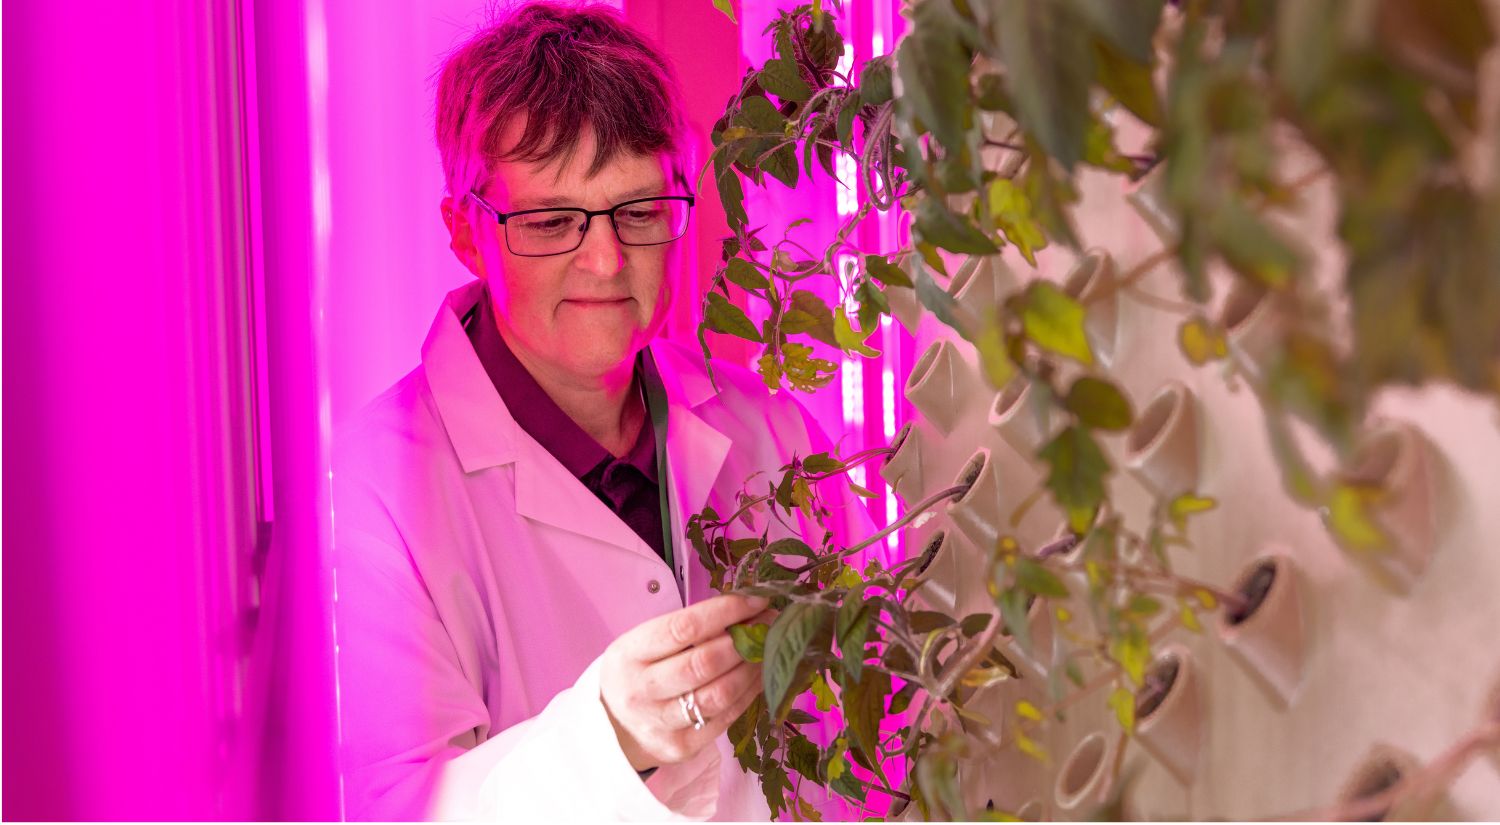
647,668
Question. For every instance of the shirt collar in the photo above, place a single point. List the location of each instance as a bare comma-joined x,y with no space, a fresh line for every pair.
535,411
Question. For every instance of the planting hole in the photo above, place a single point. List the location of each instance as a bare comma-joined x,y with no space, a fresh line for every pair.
1253,589
1241,305
1086,761
924,365
1159,681
970,473
1153,421
930,552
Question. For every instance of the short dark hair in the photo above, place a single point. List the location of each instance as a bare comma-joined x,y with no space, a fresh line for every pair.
564,68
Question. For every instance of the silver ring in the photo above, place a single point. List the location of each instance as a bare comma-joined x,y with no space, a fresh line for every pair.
690,712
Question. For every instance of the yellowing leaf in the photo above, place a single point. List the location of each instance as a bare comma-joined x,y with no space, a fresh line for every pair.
848,339
1054,321
982,677
749,640
1028,710
1011,211
1349,518
1186,505
820,689
994,359
1031,748
1133,651
1201,341
835,768
847,577
1123,703
1188,618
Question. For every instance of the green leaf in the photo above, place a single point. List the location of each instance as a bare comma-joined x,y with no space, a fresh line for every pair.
749,640
790,547
886,272
901,699
818,463
728,319
864,709
1127,25
1031,575
941,227
782,165
780,77
732,195
1049,65
1251,247
875,81
802,757
1129,82
938,301
852,627
816,321
974,624
1012,604
1143,606
774,784
926,621
1076,472
727,8
1054,321
1186,505
934,67
743,274
1099,404
757,113
790,639
844,127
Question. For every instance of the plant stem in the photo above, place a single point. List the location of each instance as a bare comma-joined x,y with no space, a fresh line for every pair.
910,516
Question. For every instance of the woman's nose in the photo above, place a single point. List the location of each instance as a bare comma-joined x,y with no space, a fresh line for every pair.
601,251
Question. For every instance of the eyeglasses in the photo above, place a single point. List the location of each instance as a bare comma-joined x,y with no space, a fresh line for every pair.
538,233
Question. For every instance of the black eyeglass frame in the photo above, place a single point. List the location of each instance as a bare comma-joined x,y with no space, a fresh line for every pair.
588,220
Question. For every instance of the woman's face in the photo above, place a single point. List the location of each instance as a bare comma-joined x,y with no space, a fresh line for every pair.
580,315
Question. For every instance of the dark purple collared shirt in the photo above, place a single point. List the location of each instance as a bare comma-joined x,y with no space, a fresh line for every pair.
627,485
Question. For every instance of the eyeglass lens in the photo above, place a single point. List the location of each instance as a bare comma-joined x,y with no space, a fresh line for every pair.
552,232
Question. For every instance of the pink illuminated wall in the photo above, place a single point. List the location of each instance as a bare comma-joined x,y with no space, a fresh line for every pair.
221,238
166,649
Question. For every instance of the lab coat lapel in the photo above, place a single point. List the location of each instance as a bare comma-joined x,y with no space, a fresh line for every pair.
696,452
484,434
546,492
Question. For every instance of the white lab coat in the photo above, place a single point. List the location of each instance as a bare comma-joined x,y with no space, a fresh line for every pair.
477,582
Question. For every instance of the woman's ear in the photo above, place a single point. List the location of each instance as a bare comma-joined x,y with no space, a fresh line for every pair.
461,236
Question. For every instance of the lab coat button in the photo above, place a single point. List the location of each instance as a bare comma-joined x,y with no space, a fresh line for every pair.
653,586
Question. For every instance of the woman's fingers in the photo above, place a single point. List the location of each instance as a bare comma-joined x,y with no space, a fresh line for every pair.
719,701
665,636
691,669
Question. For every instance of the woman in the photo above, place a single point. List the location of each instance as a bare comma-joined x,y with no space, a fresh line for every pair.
521,629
